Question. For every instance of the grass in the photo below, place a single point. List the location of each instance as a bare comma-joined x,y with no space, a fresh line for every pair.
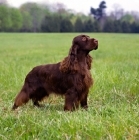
113,112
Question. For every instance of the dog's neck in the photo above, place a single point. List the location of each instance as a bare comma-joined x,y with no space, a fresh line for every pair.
81,56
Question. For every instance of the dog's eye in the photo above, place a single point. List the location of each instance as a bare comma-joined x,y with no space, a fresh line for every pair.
83,38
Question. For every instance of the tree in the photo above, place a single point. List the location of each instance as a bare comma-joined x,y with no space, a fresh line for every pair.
88,26
78,27
16,19
128,18
96,26
134,27
108,26
117,12
51,23
37,14
5,20
66,26
117,26
26,21
126,27
99,12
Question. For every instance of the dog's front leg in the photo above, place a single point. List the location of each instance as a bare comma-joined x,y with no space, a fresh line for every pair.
83,99
71,100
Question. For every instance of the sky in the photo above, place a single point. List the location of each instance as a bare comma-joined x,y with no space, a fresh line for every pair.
84,5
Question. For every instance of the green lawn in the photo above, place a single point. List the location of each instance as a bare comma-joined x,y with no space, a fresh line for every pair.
113,112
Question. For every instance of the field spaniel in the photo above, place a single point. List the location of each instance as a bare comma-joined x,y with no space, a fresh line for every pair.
70,77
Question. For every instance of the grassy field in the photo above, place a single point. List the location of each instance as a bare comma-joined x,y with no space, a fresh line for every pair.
113,112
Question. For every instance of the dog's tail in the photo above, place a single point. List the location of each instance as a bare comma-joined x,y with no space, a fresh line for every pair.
20,99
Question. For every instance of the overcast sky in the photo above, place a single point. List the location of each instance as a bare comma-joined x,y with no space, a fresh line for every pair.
84,5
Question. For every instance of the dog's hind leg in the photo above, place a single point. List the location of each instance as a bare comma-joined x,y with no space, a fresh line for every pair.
20,99
40,94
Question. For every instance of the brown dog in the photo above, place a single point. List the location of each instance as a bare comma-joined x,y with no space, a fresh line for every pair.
70,77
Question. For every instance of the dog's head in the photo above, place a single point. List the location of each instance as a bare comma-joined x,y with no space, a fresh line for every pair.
85,43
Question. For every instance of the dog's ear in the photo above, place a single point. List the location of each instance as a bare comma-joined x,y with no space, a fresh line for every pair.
70,63
89,60
73,50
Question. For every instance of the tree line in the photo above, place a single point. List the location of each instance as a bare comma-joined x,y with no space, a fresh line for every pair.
33,17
